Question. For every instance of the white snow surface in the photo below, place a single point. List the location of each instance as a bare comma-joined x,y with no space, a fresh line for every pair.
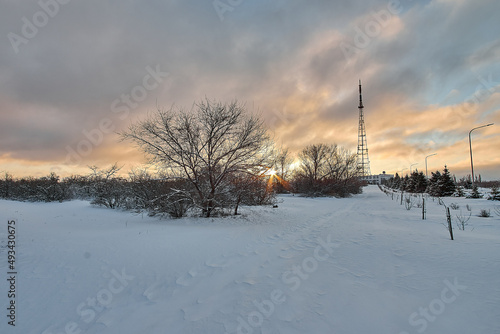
358,265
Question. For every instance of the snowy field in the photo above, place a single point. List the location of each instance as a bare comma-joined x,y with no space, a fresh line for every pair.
358,265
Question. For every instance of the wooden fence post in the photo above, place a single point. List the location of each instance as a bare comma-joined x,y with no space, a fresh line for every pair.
448,216
423,208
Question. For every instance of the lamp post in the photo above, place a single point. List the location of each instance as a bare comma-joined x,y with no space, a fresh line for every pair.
427,176
470,147
412,166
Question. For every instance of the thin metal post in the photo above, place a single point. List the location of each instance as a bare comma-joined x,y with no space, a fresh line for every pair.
426,175
450,227
423,208
470,148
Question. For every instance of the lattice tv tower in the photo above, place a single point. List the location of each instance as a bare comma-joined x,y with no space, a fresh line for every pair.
363,160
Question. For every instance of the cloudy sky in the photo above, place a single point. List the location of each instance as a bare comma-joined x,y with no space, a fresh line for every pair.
73,73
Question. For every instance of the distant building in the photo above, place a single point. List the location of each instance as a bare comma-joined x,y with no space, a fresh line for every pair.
377,179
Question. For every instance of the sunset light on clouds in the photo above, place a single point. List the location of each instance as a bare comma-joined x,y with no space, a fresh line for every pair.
75,75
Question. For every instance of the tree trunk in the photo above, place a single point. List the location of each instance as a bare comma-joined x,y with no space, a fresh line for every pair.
237,204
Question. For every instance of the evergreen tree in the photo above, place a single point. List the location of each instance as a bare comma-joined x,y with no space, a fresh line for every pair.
412,181
495,194
446,185
405,182
475,192
460,192
432,187
420,182
397,182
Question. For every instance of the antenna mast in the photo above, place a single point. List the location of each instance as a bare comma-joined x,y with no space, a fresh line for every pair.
363,160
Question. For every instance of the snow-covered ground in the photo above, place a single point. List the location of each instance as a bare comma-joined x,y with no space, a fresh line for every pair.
358,265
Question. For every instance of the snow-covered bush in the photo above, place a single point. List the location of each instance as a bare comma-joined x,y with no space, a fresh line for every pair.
45,189
408,202
106,189
475,193
494,194
173,197
462,220
484,213
459,192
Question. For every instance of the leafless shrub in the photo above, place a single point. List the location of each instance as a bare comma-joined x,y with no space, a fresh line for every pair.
454,206
462,220
106,188
419,204
175,202
484,213
408,203
467,206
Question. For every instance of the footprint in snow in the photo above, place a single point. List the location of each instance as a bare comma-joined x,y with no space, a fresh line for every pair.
247,280
186,279
286,256
399,252
221,263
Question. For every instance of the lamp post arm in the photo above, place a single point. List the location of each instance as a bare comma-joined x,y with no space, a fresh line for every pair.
470,148
471,161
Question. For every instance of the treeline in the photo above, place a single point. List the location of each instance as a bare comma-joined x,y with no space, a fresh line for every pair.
213,159
441,184
162,194
327,170
44,189
140,191
438,185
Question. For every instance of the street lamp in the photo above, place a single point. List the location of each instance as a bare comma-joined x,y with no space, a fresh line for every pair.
416,163
426,164
470,147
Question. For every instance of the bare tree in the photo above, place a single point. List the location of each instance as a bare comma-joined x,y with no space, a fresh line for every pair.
6,186
282,165
327,170
314,161
205,146
106,188
250,190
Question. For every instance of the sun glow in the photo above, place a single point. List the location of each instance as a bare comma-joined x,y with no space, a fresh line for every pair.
271,172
